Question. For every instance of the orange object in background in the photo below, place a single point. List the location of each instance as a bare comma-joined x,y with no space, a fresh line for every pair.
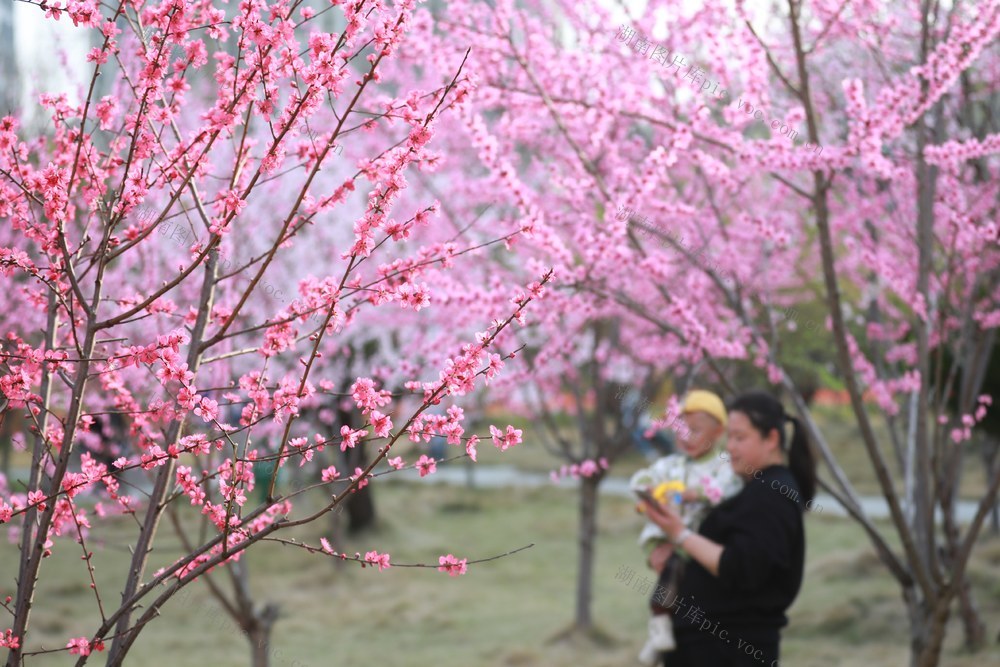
831,397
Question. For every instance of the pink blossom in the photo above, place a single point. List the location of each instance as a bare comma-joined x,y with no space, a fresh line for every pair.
37,498
190,485
470,447
426,465
74,483
207,409
81,646
97,55
712,490
585,468
505,440
350,437
382,560
413,296
396,462
367,398
452,565
359,474
382,423
495,366
8,640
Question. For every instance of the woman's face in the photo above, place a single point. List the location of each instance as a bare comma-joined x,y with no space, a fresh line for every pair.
748,450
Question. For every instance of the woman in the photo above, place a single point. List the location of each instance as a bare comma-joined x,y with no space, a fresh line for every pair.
746,560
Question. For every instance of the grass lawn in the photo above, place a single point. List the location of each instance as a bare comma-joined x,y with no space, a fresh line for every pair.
504,612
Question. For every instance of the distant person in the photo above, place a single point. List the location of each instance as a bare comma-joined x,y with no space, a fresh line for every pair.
438,447
634,409
747,558
698,479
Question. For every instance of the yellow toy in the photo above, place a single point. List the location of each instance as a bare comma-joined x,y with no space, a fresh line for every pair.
663,491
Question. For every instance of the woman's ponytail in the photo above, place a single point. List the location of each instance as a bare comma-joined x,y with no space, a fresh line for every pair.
801,461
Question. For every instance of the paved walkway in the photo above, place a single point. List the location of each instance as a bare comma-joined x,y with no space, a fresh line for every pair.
498,476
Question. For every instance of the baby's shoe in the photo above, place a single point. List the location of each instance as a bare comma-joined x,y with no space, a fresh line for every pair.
650,655
661,632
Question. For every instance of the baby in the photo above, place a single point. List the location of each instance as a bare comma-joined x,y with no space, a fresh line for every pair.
695,479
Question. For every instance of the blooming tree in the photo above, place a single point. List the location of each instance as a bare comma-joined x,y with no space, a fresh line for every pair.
706,168
145,228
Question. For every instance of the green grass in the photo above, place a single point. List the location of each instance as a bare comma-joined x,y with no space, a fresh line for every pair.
504,612
511,611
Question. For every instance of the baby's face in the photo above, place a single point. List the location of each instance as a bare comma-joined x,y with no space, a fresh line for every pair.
700,433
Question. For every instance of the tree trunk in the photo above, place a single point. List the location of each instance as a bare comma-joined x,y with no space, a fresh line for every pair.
361,503
972,623
11,422
255,622
928,621
588,534
5,447
991,461
258,633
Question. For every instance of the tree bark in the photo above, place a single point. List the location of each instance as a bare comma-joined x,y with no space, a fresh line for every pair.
124,634
360,505
256,623
927,628
991,449
587,537
7,429
258,632
972,623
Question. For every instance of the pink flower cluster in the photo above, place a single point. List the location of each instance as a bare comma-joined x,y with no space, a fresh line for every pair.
375,558
960,435
898,106
585,468
503,440
711,489
367,399
449,425
83,646
452,565
8,640
426,465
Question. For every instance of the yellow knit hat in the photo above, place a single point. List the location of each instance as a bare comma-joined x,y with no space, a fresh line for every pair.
699,400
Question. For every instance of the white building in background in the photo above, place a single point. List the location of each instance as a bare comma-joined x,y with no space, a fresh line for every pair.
40,55
9,88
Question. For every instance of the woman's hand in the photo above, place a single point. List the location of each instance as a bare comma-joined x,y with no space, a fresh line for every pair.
666,517
702,549
660,555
